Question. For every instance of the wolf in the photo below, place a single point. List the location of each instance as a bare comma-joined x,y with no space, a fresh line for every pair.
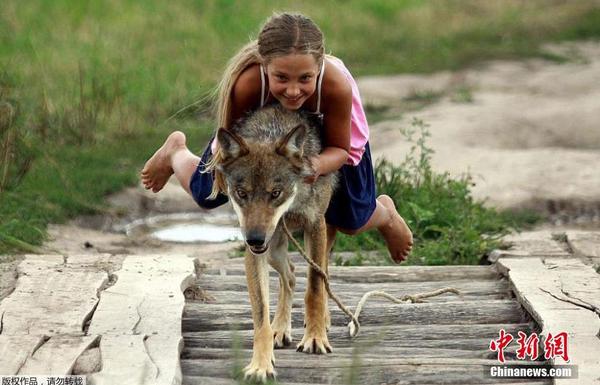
265,160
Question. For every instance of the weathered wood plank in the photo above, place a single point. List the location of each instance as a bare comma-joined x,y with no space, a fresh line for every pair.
371,351
584,243
238,283
536,243
57,355
44,316
383,370
127,360
368,274
65,295
350,297
579,282
200,317
468,337
15,349
139,319
199,380
541,289
531,244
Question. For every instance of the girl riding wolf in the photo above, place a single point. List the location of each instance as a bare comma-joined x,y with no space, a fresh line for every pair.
287,65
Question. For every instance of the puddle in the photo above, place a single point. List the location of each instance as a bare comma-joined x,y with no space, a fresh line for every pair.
198,233
187,228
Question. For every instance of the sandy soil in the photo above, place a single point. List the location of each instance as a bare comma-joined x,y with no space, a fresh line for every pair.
530,137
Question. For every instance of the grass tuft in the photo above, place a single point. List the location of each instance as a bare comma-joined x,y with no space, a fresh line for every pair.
448,225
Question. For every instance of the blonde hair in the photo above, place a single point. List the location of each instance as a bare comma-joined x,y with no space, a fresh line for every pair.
282,34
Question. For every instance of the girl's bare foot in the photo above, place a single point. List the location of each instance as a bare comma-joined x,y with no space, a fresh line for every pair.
396,233
158,170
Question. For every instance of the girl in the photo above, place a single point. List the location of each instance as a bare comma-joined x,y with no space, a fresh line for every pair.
287,65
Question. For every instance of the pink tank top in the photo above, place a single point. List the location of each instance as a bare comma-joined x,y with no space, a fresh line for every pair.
359,128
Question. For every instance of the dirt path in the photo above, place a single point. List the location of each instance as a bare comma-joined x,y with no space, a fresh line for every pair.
528,131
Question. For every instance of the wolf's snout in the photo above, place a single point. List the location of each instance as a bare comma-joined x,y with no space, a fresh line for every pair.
255,238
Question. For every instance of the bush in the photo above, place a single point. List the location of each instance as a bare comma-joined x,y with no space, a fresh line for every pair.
448,225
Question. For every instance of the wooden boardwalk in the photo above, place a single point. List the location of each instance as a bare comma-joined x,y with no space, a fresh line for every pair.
445,340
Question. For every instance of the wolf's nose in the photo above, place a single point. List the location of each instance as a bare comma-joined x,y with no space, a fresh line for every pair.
255,238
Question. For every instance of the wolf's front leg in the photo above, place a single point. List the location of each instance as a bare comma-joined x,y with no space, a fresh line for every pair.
316,315
257,275
282,322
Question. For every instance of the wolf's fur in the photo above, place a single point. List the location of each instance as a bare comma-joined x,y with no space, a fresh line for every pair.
265,162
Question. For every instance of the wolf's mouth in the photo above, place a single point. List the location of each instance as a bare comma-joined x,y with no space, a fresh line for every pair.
257,250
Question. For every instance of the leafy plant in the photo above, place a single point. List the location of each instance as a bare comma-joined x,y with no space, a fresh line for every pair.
448,225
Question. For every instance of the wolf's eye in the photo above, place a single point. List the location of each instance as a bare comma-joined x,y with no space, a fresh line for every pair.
241,194
275,194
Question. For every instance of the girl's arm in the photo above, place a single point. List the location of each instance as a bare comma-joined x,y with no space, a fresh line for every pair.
245,95
337,109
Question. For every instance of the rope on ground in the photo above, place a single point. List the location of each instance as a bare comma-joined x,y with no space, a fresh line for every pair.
354,325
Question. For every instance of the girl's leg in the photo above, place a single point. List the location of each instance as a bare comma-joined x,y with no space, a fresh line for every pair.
391,225
331,231
172,158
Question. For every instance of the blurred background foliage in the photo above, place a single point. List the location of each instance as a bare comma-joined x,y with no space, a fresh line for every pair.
89,89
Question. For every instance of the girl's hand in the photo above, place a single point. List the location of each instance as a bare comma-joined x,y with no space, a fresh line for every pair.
314,163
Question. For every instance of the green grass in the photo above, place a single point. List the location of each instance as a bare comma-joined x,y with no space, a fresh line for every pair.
97,85
448,225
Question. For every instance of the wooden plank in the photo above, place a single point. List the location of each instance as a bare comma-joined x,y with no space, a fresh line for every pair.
200,317
531,244
536,243
42,320
579,282
14,351
584,243
541,289
469,287
57,355
200,380
367,274
297,360
469,337
371,351
350,297
139,319
126,360
65,295
391,370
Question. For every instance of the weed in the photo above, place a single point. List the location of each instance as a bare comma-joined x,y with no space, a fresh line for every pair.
462,94
448,225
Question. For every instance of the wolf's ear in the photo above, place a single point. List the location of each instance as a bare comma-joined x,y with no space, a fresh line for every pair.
292,145
232,145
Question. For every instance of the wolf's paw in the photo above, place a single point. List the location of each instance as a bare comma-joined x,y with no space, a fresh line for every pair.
314,343
259,373
282,338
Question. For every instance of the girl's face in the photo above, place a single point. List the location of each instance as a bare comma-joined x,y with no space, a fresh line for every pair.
292,79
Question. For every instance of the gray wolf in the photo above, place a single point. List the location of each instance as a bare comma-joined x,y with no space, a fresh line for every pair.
265,161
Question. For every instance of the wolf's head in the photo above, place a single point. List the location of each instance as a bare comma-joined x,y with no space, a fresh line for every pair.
263,176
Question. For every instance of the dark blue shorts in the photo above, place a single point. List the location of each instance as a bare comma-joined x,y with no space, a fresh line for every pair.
353,202
351,206
202,182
